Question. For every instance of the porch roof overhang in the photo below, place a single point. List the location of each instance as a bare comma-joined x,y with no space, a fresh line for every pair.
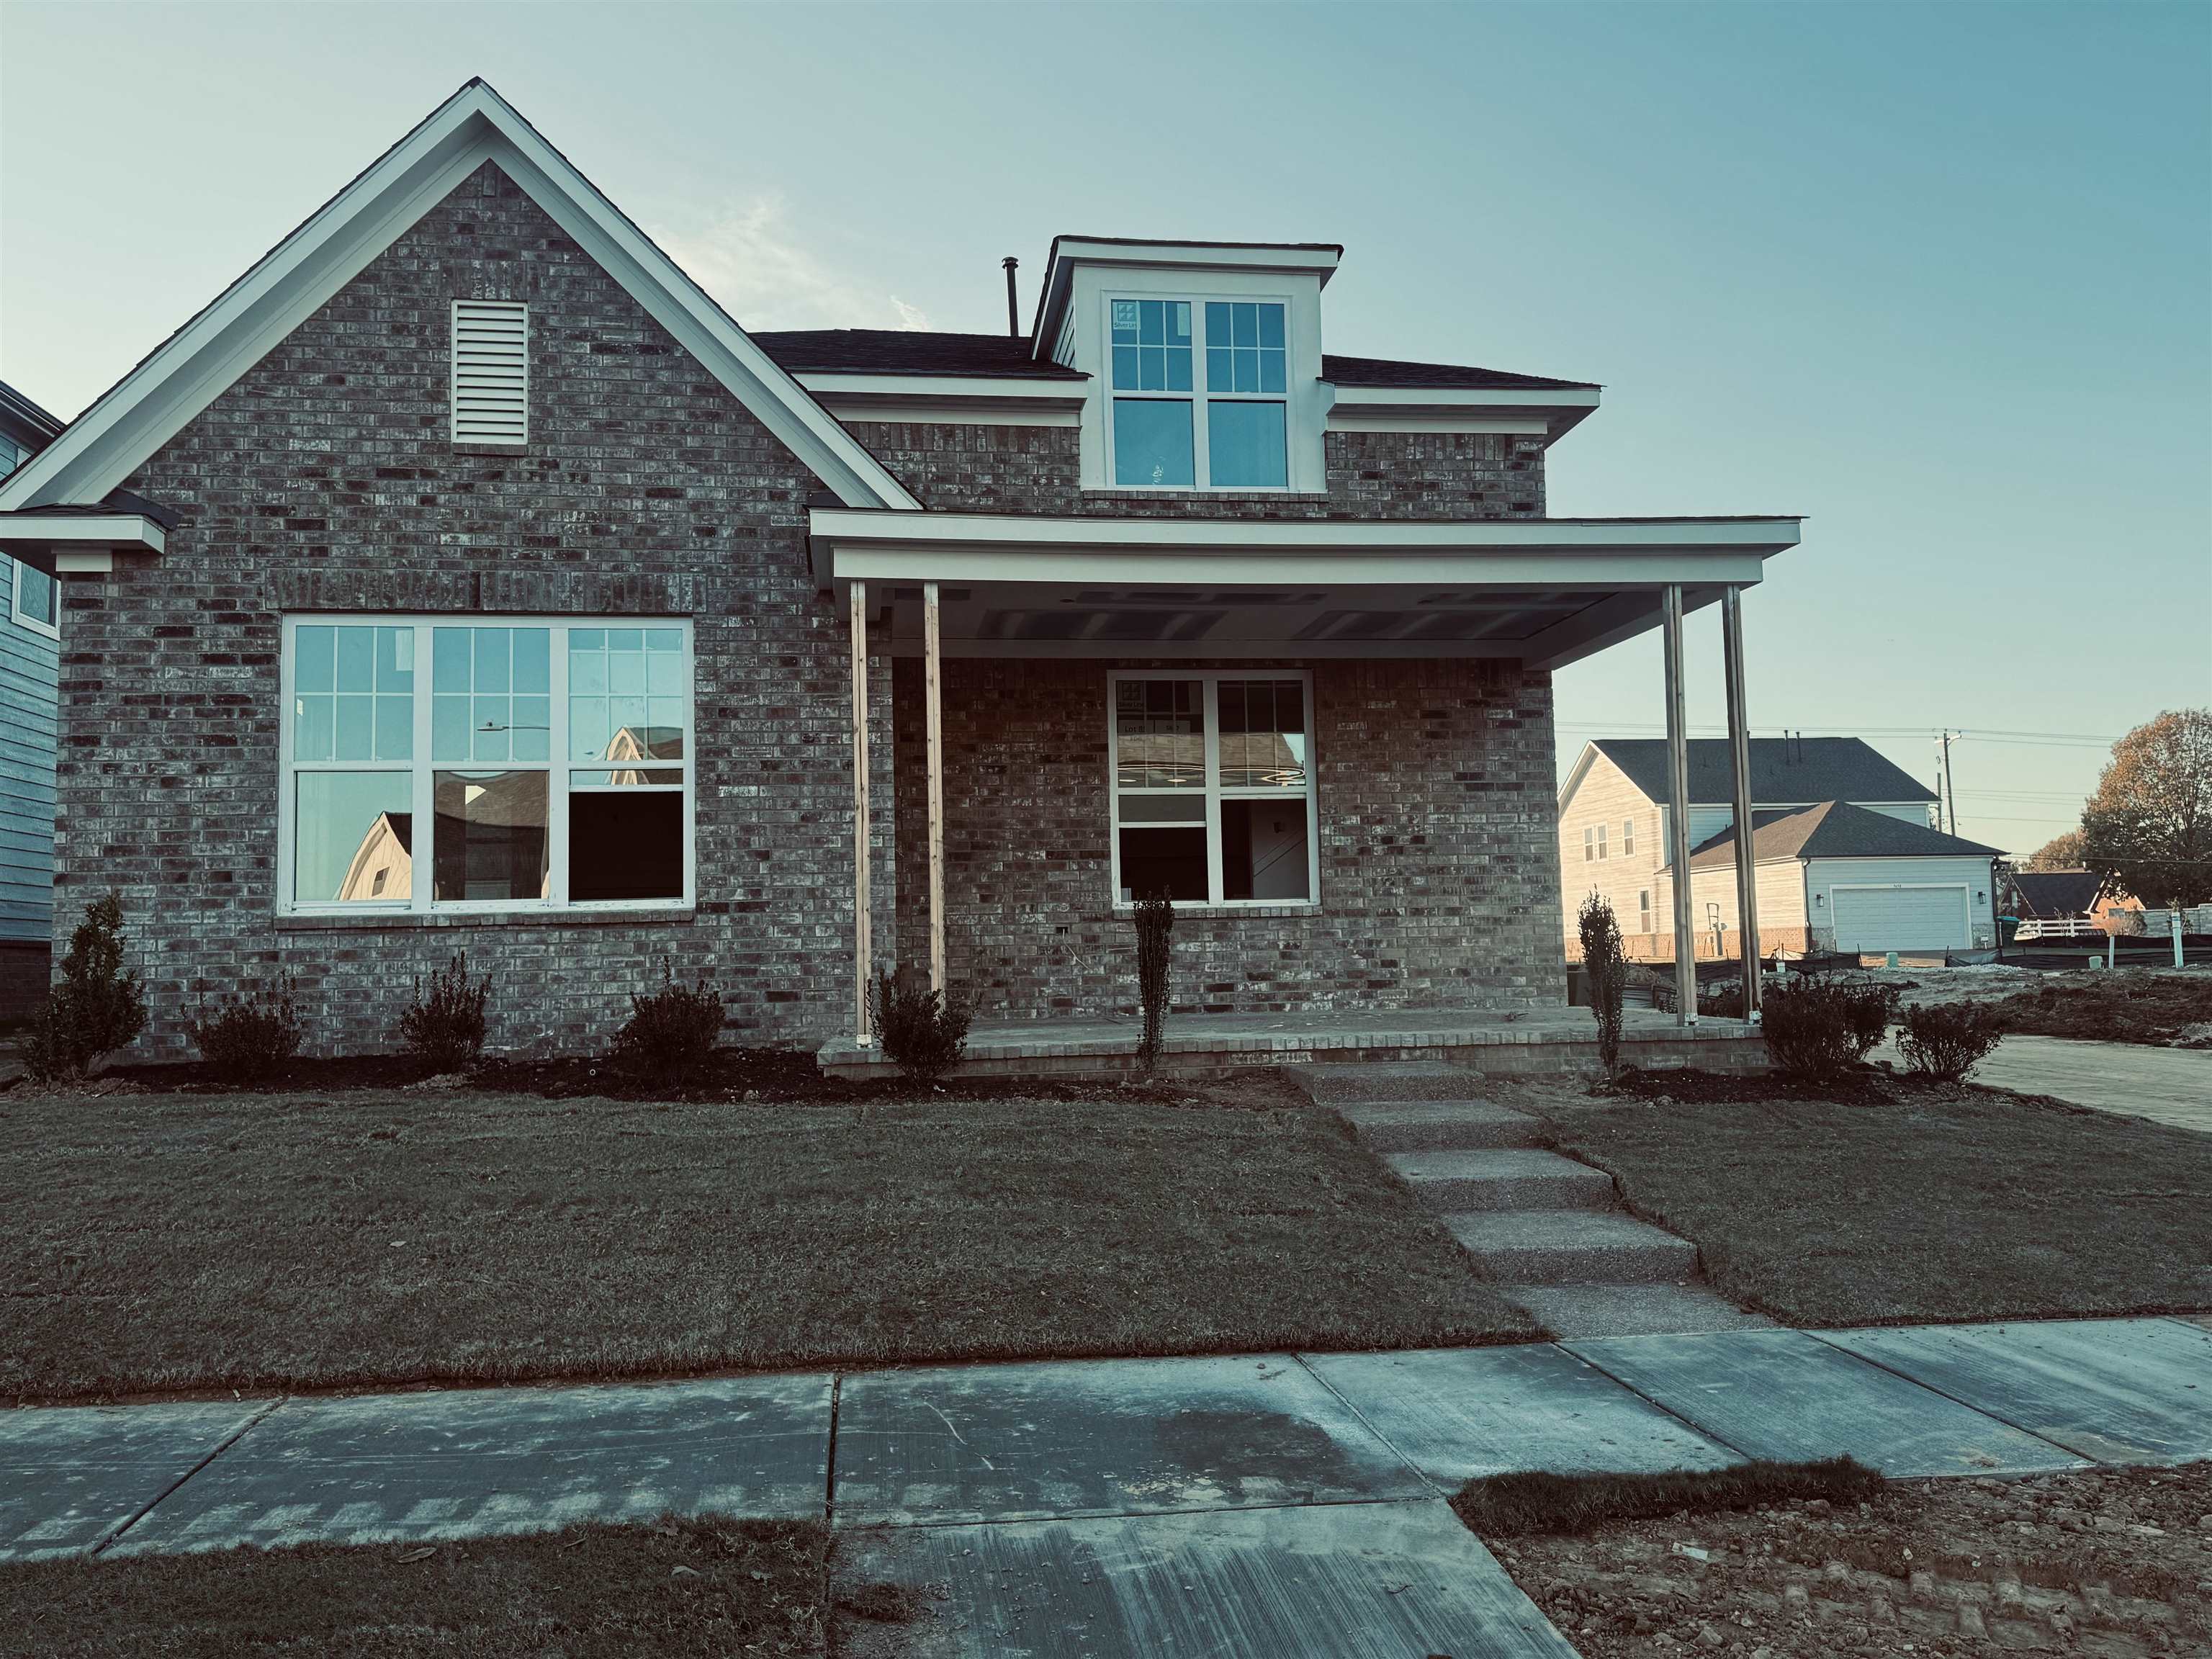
1544,591
60,540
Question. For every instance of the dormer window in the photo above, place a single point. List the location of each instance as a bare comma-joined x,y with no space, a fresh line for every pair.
1231,433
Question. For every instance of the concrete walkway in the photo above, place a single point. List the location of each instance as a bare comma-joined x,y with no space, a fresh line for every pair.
1550,1230
2166,1086
1276,1504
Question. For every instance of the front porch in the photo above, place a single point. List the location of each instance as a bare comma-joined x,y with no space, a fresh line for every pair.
1536,1040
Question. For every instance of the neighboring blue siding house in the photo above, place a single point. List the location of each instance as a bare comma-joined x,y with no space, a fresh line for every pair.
30,658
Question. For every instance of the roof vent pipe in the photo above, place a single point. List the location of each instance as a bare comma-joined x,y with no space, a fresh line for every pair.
1013,309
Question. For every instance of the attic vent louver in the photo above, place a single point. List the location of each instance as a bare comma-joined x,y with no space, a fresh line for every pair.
491,372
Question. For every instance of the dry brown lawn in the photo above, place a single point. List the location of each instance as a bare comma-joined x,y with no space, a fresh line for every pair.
160,1242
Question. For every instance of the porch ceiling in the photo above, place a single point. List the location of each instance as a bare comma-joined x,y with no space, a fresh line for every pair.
1544,591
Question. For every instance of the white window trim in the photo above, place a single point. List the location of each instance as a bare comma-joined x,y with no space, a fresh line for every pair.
53,630
453,378
1628,838
1600,843
423,770
1201,394
1589,843
1209,707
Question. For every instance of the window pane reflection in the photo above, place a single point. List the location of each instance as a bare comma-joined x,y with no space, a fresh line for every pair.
491,841
1160,734
353,837
1263,734
626,698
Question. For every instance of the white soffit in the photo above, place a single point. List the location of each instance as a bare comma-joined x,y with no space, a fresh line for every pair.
194,366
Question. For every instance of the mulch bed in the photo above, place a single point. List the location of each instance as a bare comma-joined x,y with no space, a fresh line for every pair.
751,1076
2112,1562
677,1587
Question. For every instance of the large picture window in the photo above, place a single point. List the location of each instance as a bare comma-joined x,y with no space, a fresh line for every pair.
1213,789
550,760
1200,391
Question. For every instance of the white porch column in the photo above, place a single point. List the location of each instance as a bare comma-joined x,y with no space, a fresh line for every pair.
1677,808
934,724
863,958
1746,877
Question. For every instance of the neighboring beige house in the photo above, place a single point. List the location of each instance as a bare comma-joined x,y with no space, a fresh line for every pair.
1613,832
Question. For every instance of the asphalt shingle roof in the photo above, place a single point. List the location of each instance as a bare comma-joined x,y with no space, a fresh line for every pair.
905,351
1783,769
1835,830
2053,893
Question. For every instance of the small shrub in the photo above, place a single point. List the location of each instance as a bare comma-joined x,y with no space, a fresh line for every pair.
95,1008
1155,922
444,1026
1947,1040
1607,973
249,1035
670,1032
1819,1030
923,1034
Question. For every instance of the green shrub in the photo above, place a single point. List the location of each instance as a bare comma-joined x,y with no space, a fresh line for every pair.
249,1035
95,1008
1818,1030
923,1034
670,1032
1155,922
1947,1040
444,1026
1607,973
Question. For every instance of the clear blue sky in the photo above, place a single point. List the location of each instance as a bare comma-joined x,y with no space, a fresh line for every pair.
1938,276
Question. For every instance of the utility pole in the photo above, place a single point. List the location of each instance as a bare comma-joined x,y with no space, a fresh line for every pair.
1950,800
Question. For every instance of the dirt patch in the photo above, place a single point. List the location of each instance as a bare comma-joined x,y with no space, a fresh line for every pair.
2127,1005
2115,1563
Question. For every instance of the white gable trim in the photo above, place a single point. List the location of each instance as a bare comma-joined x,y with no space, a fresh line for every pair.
194,366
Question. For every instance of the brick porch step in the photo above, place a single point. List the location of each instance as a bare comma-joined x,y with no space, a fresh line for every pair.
1572,1247
1458,1180
1411,1126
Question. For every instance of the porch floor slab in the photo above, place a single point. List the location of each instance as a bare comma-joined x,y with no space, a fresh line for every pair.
1543,1039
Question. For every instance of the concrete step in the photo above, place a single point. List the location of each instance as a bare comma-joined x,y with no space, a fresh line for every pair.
1459,1180
1398,1081
1412,1125
1572,1247
1568,1311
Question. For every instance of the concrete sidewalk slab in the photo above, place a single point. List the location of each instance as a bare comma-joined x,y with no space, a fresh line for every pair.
1458,1412
1113,1437
1376,1581
1786,1396
69,1475
2119,1390
376,1469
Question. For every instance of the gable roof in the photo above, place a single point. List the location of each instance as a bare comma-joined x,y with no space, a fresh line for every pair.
2052,893
906,351
195,365
24,421
1783,770
1835,830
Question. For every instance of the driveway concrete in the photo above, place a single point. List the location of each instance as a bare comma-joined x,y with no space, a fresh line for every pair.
2166,1086
1789,1396
1372,1581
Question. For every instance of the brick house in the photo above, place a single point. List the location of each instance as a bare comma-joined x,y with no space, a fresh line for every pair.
463,578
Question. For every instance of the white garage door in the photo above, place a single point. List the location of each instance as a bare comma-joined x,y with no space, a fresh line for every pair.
1900,918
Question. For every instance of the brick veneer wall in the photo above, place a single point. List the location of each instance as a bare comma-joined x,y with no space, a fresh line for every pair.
1438,866
1371,475
325,480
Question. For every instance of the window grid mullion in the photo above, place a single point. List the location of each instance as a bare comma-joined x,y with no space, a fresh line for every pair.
1209,707
556,768
425,787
